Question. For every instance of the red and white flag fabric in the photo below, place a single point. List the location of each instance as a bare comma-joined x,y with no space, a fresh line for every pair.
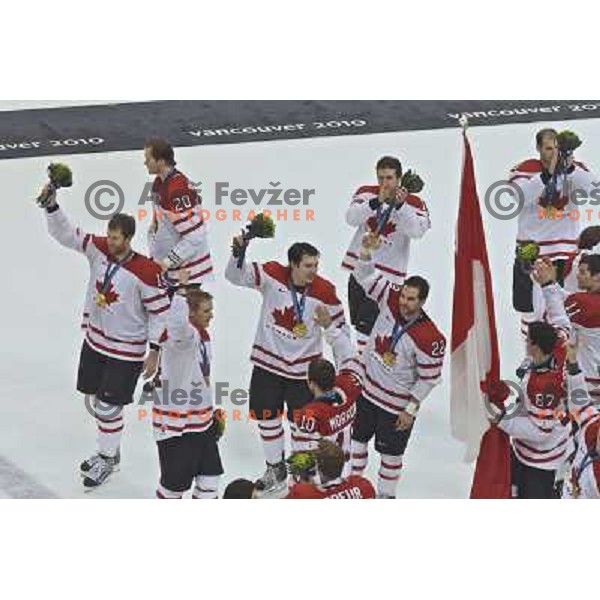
475,362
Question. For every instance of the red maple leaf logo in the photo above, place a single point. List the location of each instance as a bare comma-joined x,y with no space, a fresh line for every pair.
110,295
382,344
386,230
285,318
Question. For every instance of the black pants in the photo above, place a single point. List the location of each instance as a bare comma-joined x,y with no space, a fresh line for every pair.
363,310
270,393
532,483
371,420
184,457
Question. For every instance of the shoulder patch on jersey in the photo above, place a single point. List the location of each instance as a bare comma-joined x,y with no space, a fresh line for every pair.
144,269
323,290
583,308
531,165
427,336
277,271
416,202
393,299
367,189
101,244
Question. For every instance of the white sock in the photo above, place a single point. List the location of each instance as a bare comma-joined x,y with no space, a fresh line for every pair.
109,420
206,488
359,456
390,468
162,493
271,433
300,442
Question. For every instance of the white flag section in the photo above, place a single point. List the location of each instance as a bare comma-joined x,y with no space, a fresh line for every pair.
474,359
470,365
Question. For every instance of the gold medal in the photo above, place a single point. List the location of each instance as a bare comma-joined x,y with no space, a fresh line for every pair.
389,358
300,330
101,300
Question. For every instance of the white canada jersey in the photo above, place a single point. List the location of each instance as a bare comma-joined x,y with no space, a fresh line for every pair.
582,477
181,233
276,347
409,221
538,436
418,354
186,401
583,310
134,309
557,237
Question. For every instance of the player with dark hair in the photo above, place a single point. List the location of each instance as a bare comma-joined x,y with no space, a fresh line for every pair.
330,415
587,243
240,489
126,312
177,237
538,434
288,337
397,216
401,363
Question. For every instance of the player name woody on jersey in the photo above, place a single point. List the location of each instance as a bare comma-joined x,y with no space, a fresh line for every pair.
557,237
185,398
133,308
181,233
409,221
351,488
278,348
418,355
329,417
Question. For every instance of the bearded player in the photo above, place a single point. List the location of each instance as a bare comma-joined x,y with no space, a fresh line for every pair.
123,330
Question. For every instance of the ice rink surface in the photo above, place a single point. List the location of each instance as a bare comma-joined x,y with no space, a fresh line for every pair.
44,429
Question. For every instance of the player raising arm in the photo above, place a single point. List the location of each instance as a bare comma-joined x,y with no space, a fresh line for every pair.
123,330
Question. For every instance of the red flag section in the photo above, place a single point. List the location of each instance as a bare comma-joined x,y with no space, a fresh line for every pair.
475,363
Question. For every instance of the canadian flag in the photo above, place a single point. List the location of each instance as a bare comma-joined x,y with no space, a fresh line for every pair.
475,363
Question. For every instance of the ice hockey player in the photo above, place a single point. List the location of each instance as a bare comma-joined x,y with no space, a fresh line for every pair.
331,413
187,429
128,314
587,243
177,237
328,482
539,437
583,310
547,185
287,339
401,364
582,478
398,216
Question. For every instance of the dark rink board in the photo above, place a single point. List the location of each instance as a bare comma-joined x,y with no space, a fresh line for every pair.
84,129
